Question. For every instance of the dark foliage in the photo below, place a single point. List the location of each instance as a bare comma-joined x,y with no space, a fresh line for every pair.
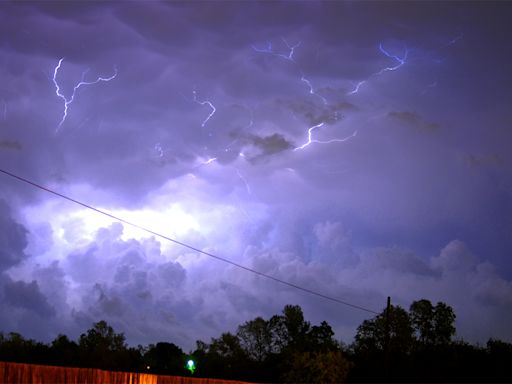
394,346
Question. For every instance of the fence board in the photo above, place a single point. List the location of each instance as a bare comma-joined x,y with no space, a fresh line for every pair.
19,373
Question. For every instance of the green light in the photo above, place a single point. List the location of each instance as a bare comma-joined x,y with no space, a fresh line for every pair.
191,366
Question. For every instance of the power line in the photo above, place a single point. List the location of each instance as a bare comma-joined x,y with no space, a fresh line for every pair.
284,282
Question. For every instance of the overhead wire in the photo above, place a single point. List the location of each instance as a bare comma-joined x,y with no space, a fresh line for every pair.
195,249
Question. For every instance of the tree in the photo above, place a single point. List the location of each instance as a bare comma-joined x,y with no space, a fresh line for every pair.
14,347
321,338
227,358
317,367
433,325
372,334
102,335
256,338
101,347
227,346
444,328
165,358
499,357
289,330
64,351
422,317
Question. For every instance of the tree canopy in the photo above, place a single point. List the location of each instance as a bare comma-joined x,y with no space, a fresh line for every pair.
396,345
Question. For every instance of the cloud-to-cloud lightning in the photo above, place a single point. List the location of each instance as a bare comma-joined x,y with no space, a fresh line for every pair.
210,160
270,50
68,101
400,61
311,140
289,57
312,90
205,102
247,186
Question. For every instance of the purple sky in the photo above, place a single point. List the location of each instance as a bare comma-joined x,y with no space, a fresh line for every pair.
196,125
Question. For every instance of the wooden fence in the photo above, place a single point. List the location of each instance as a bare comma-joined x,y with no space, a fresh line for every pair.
16,373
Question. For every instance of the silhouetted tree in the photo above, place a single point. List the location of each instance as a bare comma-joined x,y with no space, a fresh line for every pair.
101,347
371,334
256,338
377,353
227,357
321,338
317,367
14,347
289,330
64,351
444,320
422,317
500,358
165,358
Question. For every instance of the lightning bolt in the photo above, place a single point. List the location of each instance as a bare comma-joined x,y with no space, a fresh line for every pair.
247,186
68,101
311,140
356,89
205,102
269,49
289,57
209,161
311,89
292,50
400,61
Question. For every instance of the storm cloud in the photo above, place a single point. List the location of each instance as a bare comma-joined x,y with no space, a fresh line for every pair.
357,149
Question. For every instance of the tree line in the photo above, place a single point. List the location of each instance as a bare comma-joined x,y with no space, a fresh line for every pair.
415,345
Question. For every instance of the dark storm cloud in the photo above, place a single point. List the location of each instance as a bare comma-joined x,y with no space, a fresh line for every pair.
376,213
269,145
414,120
19,294
13,239
315,114
12,145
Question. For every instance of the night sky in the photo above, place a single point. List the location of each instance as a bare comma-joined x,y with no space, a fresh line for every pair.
358,149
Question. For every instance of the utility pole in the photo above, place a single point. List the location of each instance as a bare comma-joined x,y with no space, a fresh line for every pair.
387,339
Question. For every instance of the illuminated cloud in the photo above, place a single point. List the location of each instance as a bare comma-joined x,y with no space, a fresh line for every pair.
194,138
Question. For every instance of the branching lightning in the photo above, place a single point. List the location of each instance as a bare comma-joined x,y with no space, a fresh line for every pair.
68,101
311,140
205,102
289,57
270,50
311,89
400,61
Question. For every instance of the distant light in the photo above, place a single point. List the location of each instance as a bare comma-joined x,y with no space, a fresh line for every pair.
191,366
148,367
